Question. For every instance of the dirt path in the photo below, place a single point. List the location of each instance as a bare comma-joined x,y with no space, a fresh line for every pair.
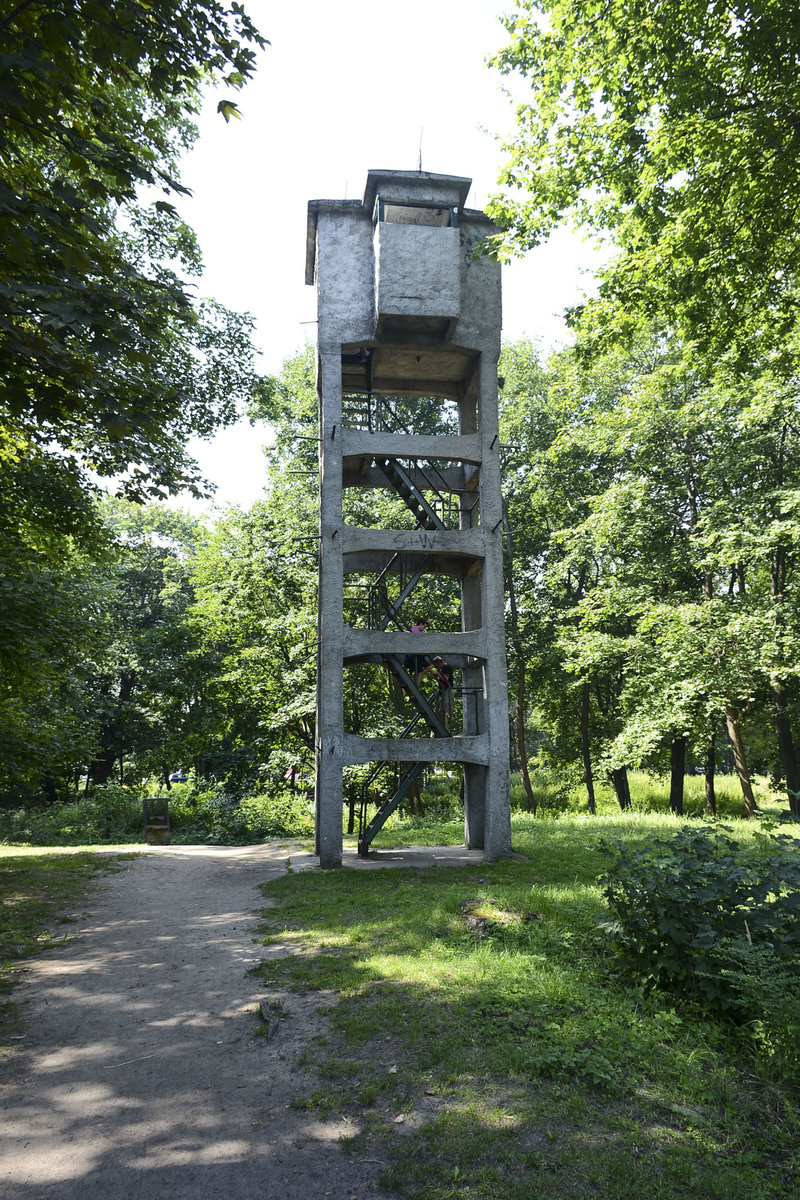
140,1076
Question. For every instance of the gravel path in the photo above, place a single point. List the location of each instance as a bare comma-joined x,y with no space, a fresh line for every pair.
139,1076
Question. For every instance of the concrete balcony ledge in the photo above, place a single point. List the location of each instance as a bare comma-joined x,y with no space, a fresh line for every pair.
466,448
363,642
469,543
466,749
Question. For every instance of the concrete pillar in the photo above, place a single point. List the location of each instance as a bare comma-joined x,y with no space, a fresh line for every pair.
497,828
329,730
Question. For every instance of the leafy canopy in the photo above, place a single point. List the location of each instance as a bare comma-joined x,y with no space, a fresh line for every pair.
103,350
672,125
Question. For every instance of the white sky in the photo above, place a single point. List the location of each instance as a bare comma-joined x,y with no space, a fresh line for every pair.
345,88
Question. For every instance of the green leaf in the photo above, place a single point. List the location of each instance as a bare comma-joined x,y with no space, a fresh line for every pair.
228,110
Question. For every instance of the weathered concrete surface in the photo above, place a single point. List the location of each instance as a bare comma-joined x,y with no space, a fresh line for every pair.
464,749
370,641
401,289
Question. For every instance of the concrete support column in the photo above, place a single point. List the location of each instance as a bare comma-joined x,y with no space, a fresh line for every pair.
330,645
473,708
472,676
497,830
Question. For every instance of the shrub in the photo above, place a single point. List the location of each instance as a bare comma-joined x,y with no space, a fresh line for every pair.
281,813
111,814
207,813
118,811
689,912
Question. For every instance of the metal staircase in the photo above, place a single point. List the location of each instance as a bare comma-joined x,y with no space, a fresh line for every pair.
383,611
364,410
425,712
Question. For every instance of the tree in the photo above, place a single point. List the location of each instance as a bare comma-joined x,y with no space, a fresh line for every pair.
256,612
654,517
106,360
672,125
53,600
149,688
695,532
549,479
104,353
255,608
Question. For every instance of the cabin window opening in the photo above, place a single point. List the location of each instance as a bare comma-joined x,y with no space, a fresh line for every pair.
402,213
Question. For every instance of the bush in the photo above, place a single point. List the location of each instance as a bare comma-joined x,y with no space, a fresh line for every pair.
207,813
118,811
690,912
281,813
111,814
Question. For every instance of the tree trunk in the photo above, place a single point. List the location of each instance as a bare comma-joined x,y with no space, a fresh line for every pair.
677,762
709,768
786,747
587,755
521,747
778,575
518,651
733,722
622,790
102,768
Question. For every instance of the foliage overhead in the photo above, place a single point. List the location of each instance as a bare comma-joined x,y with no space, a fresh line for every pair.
672,125
104,351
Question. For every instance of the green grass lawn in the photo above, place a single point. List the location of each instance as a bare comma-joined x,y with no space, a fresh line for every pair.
482,1038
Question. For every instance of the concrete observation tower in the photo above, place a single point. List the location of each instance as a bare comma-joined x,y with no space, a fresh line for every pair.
410,505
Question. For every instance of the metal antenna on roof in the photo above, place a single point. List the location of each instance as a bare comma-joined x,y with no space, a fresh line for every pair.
419,168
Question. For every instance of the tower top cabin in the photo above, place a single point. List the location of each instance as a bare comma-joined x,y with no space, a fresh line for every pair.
401,267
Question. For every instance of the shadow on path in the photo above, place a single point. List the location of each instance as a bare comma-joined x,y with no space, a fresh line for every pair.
140,1075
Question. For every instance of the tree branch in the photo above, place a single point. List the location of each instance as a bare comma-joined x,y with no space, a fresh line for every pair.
23,4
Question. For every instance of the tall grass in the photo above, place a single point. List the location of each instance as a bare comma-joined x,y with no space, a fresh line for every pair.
649,793
442,821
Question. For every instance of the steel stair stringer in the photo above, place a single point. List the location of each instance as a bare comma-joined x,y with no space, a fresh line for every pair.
410,494
420,700
387,808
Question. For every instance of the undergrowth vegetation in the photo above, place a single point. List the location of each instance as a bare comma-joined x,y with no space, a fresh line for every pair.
489,1038
200,812
208,812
